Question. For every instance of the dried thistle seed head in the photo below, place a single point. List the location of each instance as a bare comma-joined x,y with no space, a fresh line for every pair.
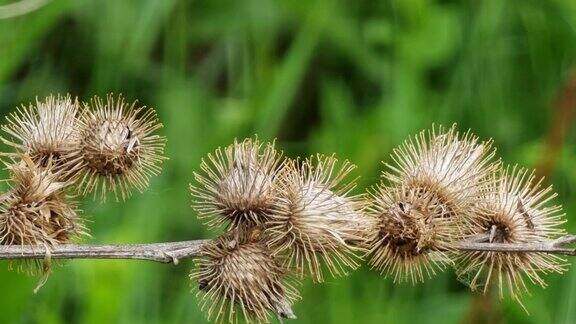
516,210
451,166
236,185
118,146
410,233
35,210
238,278
316,220
45,131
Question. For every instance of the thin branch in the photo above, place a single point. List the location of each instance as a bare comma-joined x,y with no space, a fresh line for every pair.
172,252
558,246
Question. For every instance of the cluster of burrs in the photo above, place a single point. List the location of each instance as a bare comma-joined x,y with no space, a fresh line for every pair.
64,148
444,188
285,219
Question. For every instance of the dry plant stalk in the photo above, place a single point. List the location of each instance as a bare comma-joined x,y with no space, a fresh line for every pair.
443,202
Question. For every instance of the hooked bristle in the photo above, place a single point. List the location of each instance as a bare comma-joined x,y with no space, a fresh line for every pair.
118,147
236,186
317,222
239,279
516,210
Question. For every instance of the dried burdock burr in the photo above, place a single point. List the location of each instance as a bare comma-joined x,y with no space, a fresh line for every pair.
235,187
408,240
434,187
118,147
446,164
36,211
518,210
318,224
46,132
239,279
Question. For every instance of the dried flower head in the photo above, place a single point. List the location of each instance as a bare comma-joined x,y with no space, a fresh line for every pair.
410,235
36,211
435,185
443,163
45,131
516,210
316,219
236,186
238,278
118,147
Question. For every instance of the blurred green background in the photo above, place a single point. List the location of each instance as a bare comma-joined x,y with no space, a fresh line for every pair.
350,77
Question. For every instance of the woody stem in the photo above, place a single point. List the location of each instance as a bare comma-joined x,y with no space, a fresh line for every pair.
172,252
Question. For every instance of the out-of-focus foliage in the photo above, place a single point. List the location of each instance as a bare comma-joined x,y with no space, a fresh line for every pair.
351,77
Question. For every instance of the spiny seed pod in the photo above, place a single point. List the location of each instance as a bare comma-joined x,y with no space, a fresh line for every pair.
118,147
445,164
408,240
36,211
435,186
236,186
316,219
238,278
516,210
46,132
